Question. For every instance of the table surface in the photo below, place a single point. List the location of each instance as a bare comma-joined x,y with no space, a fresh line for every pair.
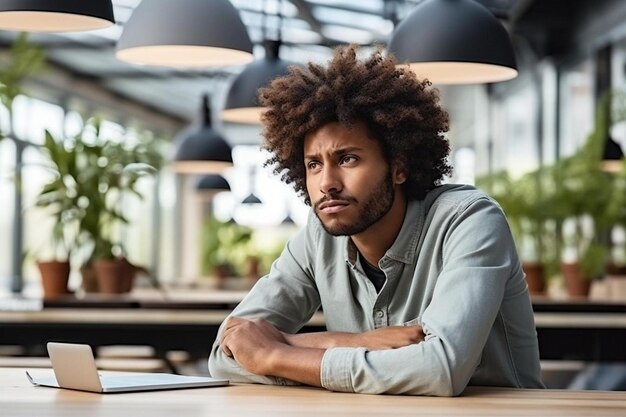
19,398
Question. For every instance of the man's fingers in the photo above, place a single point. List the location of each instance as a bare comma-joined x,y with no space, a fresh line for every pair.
226,349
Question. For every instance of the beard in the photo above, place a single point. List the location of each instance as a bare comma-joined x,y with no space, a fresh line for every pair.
372,208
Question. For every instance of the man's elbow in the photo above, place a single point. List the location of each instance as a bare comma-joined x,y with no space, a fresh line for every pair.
223,367
439,385
216,365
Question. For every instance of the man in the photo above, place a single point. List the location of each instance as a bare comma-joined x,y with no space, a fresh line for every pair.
420,284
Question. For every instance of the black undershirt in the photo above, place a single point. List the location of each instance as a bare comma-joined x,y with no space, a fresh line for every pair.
374,274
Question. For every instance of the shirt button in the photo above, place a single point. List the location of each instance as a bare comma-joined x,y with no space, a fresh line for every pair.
380,314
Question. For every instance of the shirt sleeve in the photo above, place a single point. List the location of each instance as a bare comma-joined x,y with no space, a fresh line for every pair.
287,297
478,258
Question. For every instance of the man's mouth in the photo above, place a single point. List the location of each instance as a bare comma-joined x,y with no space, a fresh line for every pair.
333,206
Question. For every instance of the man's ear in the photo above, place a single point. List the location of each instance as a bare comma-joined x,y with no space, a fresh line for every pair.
399,173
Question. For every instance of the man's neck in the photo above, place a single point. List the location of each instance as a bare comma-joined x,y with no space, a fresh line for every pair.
374,242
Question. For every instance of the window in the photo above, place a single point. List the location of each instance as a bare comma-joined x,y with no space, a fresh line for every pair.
576,107
7,169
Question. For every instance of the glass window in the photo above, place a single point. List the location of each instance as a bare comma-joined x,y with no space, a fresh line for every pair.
7,169
576,107
514,128
464,166
38,222
32,117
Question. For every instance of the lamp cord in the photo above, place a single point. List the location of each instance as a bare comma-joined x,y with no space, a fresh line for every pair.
263,21
279,14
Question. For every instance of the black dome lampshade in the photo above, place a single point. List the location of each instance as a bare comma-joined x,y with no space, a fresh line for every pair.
200,149
55,15
213,182
185,33
242,102
454,42
612,156
210,185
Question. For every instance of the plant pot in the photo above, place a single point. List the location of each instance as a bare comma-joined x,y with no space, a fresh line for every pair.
54,278
90,279
221,273
576,284
115,276
535,278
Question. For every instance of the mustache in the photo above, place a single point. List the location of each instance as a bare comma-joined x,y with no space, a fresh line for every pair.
334,197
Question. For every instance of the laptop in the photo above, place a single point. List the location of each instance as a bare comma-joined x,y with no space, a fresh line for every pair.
75,368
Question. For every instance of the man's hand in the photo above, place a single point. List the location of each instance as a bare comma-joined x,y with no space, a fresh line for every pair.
252,343
384,338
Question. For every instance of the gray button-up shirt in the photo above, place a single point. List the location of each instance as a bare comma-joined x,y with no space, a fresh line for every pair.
452,269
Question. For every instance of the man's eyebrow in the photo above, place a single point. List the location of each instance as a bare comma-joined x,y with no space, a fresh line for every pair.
335,152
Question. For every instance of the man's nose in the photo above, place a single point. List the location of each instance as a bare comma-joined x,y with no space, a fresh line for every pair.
330,181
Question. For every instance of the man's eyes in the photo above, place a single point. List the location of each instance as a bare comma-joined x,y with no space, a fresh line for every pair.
348,159
312,165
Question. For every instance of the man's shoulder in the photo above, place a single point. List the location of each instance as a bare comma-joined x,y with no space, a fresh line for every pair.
455,198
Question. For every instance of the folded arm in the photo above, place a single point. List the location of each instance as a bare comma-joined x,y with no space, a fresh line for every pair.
391,337
261,349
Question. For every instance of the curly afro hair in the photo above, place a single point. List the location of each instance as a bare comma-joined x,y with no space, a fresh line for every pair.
400,111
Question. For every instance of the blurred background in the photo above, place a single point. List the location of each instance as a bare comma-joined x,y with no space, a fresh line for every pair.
108,166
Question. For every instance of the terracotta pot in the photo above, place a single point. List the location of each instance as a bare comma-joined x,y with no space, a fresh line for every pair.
90,279
576,284
54,278
115,276
535,278
221,273
130,272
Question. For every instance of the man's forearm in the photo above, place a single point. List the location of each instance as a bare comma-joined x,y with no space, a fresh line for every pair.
324,340
297,364
384,338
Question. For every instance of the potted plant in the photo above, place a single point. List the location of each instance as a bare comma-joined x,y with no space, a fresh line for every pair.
594,203
111,173
93,175
225,249
59,196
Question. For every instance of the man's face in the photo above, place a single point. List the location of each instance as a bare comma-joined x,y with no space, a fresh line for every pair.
350,184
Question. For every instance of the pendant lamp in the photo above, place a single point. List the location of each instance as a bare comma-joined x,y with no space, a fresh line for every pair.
200,149
242,102
251,198
185,33
213,182
454,42
287,221
612,156
55,16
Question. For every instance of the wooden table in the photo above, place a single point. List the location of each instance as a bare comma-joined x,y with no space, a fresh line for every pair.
18,398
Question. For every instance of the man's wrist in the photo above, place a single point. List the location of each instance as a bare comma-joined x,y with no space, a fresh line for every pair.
273,357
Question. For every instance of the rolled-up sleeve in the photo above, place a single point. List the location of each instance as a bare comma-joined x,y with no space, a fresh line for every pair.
478,257
287,297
